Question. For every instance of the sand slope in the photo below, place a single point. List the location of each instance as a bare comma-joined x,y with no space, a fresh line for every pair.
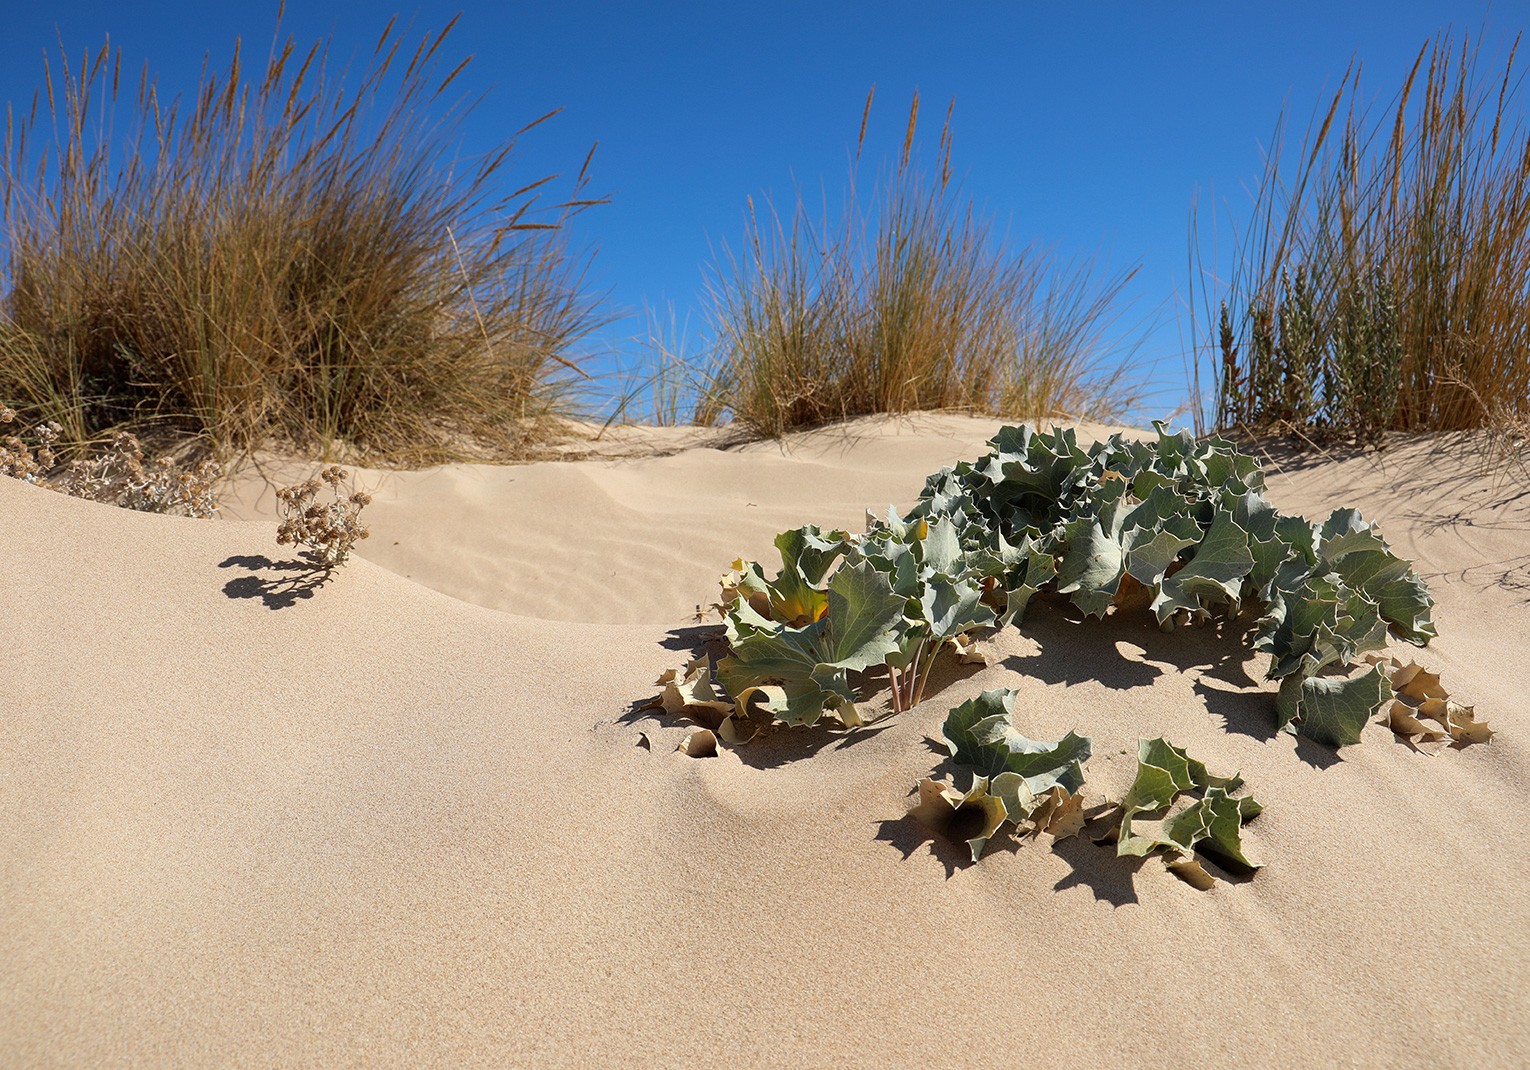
373,824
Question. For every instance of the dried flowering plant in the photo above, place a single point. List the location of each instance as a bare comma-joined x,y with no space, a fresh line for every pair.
118,476
121,476
330,528
20,460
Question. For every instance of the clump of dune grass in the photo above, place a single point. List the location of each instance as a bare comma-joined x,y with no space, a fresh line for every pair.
911,301
287,257
1384,282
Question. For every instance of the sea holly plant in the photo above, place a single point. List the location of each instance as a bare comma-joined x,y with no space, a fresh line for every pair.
1171,526
1031,784
1174,526
1211,825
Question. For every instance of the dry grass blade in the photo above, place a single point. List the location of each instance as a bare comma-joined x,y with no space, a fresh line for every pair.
909,302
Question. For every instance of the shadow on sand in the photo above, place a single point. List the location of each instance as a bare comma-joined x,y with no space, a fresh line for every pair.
278,584
1123,651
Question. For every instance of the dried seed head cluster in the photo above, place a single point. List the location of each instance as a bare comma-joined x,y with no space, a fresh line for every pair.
20,460
331,528
119,476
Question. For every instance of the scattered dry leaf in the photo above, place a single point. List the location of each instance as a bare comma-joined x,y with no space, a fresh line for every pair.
1422,711
971,817
691,691
967,651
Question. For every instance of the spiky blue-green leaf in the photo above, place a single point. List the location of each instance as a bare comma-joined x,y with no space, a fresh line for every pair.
981,733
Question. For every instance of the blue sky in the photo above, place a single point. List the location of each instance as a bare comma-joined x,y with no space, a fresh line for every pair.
1088,128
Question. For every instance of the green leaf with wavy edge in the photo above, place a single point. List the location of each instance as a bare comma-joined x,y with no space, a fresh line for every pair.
981,733
1213,825
1332,710
864,614
1091,566
1147,561
799,702
1022,584
952,607
1163,773
1214,574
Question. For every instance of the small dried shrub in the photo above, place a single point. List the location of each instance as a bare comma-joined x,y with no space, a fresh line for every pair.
330,528
20,460
119,476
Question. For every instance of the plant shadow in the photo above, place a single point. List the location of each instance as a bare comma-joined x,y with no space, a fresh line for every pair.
696,639
908,834
278,584
1219,648
1217,651
1109,878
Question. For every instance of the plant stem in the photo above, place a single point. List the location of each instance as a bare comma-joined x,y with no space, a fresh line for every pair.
925,679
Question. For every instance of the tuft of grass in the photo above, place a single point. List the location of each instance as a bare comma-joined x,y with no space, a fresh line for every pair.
672,385
286,258
909,302
1384,282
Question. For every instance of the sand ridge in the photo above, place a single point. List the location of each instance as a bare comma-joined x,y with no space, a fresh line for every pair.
380,825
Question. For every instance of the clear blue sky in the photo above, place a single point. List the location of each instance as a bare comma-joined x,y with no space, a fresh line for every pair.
1088,127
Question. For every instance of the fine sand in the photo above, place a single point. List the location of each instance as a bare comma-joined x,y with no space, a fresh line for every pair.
402,817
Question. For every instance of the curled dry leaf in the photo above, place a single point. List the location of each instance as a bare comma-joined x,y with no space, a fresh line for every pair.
971,817
1423,712
690,691
699,743
967,651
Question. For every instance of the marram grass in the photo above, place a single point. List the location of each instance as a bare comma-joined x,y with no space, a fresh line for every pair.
908,302
1384,283
284,258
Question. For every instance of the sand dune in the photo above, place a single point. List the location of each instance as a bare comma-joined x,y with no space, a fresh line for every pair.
402,818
